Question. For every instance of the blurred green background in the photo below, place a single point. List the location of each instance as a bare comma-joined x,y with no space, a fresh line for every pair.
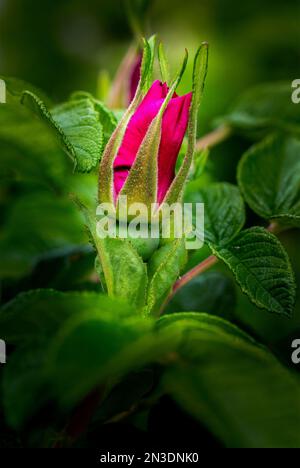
62,45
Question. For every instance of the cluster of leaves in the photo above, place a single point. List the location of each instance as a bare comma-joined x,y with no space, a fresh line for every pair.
34,141
67,337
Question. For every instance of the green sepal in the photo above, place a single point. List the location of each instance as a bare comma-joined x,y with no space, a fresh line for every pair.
145,247
175,192
149,78
141,184
111,150
163,270
122,273
163,63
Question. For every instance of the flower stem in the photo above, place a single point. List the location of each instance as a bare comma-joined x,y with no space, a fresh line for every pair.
189,276
214,138
198,270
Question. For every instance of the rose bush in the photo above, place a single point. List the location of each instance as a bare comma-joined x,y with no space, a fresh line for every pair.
104,330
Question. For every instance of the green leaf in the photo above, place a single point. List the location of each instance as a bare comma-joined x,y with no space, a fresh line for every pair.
35,225
269,177
91,348
266,108
127,394
67,269
212,292
80,123
262,269
30,322
25,388
186,322
37,315
163,270
28,152
224,212
76,127
235,387
94,348
106,117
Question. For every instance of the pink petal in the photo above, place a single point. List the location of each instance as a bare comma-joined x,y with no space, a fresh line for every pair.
135,77
174,126
175,122
120,177
137,129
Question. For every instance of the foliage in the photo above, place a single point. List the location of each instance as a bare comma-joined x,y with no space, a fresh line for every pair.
101,323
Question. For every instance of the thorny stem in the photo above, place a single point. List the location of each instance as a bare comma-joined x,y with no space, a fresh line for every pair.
214,138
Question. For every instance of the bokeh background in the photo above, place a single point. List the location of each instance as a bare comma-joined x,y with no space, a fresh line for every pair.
63,45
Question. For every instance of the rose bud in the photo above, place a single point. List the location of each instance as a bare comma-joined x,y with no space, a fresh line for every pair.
126,80
134,78
140,159
174,125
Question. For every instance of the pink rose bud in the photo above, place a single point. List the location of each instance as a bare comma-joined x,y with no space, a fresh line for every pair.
140,158
135,76
126,81
174,125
